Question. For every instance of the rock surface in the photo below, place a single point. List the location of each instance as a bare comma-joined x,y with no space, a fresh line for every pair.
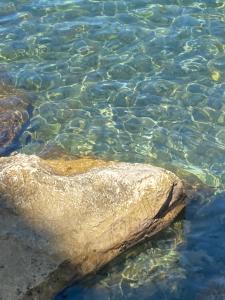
62,219
13,115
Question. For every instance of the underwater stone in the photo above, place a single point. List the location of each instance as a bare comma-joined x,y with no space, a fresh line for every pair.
13,115
64,218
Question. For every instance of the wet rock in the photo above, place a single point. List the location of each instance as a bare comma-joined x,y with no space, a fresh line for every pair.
62,219
13,115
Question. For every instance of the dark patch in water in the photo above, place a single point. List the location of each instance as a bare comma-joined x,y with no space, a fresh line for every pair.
16,145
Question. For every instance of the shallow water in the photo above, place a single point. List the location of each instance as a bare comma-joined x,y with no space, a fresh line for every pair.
139,81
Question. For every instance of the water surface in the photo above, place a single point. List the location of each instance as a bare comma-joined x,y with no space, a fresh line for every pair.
137,81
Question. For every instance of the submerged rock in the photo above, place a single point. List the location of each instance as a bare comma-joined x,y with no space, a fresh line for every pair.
13,115
63,219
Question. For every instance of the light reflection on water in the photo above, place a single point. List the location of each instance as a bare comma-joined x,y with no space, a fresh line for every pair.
132,80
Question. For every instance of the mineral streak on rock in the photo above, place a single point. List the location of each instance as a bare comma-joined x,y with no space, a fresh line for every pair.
13,115
63,219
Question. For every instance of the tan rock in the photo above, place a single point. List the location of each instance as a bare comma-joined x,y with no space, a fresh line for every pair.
62,219
13,115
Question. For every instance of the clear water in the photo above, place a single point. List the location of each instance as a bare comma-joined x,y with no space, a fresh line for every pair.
139,81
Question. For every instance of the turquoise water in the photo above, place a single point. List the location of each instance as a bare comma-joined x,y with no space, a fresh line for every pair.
139,81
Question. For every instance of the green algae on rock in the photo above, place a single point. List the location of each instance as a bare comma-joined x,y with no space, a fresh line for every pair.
66,222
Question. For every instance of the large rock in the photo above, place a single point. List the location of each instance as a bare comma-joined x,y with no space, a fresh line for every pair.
13,116
62,219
